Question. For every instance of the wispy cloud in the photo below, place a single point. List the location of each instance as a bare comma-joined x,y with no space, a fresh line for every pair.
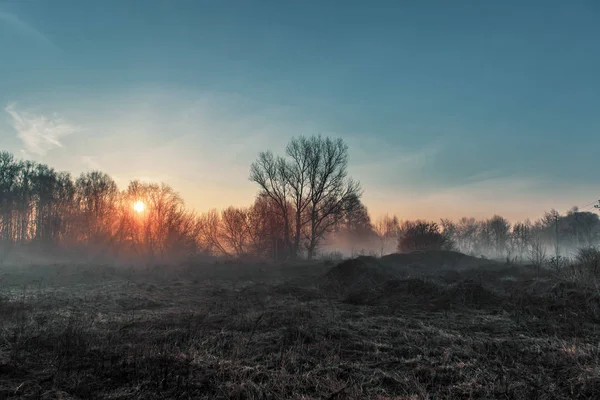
39,133
485,175
91,162
25,28
386,166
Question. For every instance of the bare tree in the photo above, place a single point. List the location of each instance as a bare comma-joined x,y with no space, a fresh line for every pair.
235,230
314,181
296,175
9,173
42,209
210,232
537,253
387,228
499,230
581,227
96,196
449,230
354,231
164,230
466,234
266,229
521,237
331,193
270,173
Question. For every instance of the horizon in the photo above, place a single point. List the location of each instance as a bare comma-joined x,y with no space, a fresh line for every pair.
448,111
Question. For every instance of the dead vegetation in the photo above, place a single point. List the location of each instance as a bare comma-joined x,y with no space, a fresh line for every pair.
366,328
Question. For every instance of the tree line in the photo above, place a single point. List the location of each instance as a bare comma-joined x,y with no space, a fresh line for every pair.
550,236
303,196
306,204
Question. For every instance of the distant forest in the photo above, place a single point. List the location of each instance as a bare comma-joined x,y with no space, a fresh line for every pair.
306,207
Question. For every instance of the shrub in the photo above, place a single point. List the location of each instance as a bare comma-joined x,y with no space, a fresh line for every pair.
589,258
364,252
332,257
556,263
537,254
423,235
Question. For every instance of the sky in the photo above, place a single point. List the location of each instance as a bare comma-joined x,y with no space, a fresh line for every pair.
449,109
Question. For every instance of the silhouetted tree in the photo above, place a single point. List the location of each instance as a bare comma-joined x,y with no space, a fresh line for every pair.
96,195
164,230
210,232
267,229
236,230
583,228
498,229
422,235
9,175
466,235
313,179
354,230
304,197
270,173
521,238
387,228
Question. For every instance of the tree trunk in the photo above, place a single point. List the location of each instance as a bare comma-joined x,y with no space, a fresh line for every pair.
297,235
311,252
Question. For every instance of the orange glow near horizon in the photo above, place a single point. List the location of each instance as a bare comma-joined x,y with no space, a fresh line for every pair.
139,207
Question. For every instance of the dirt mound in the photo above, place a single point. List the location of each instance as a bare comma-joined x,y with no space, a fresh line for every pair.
396,293
541,287
500,272
444,276
434,259
356,274
300,293
569,298
470,294
499,278
423,294
437,281
548,299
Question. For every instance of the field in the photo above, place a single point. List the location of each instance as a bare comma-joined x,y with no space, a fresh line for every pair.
421,326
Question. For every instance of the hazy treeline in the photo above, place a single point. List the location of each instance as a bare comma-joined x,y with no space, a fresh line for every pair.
303,197
45,212
306,206
495,237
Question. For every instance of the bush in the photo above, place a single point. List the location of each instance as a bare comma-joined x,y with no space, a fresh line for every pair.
423,235
556,263
364,252
537,254
589,258
332,257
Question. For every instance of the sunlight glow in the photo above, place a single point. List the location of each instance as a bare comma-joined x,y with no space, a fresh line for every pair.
139,207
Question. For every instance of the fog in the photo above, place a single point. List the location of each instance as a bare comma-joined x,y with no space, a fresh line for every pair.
109,292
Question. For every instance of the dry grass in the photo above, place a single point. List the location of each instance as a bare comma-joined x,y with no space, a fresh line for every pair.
273,332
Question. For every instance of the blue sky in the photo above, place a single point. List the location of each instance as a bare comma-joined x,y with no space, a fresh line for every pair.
449,108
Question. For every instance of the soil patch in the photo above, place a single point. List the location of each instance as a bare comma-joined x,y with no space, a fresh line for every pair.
357,274
566,300
434,259
470,294
399,293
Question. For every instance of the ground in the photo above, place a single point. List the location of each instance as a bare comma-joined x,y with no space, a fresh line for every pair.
233,331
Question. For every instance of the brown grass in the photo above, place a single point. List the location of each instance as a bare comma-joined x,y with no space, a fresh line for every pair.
273,332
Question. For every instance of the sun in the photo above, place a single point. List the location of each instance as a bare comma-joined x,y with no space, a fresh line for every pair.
139,206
